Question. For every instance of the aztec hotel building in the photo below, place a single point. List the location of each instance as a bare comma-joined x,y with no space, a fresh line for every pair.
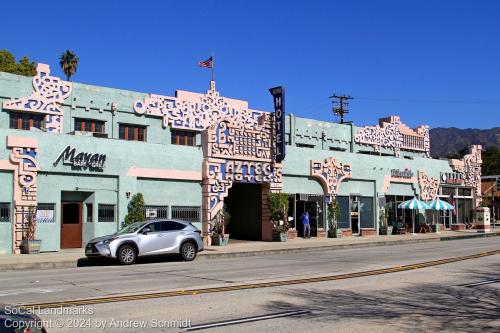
78,153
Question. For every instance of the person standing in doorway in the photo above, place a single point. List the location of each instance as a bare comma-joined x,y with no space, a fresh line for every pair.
305,223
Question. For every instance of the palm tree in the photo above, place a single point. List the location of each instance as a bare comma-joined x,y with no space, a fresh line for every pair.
69,63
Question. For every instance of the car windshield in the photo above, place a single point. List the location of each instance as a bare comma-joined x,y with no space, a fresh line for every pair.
131,228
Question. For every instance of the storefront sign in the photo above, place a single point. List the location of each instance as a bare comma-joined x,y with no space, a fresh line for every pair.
279,115
81,159
45,215
452,178
406,173
151,213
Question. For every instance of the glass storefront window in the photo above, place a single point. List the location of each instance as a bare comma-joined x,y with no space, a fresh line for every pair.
366,212
344,222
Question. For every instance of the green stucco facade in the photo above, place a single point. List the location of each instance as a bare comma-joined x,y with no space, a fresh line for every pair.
114,184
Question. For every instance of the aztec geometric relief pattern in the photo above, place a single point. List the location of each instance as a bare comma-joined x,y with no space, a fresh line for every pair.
428,186
193,111
48,95
236,154
392,133
228,140
25,189
330,173
470,168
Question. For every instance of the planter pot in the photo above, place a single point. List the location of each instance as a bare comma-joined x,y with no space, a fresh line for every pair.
280,237
220,240
334,233
31,246
389,230
382,231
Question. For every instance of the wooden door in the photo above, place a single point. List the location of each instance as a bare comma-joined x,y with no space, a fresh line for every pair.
71,225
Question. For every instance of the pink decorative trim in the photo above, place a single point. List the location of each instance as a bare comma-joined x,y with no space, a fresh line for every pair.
330,173
386,183
6,165
26,167
48,95
21,141
392,133
164,174
197,111
470,167
428,186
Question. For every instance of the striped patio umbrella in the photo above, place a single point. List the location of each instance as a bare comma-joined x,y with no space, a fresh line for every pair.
413,204
438,204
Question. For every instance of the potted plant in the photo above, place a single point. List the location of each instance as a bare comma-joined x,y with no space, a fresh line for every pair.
384,227
219,223
333,217
30,245
278,206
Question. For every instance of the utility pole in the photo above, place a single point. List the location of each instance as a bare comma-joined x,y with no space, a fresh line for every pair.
339,106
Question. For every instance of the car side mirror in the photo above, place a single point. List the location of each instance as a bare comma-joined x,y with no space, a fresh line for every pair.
145,231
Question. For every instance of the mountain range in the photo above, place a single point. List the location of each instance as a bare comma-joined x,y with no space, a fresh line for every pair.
449,141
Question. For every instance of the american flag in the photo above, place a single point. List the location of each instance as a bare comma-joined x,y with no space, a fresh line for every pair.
207,63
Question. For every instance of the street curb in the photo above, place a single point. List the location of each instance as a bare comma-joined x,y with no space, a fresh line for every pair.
83,262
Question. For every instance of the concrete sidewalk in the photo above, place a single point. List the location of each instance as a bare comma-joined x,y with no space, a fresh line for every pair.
74,258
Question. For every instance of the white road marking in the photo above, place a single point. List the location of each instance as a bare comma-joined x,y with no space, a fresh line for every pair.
480,283
247,320
4,293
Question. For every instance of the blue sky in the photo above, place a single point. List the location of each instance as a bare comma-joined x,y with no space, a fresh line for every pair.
432,62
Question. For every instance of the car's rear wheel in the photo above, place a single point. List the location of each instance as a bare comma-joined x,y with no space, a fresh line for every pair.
127,255
188,251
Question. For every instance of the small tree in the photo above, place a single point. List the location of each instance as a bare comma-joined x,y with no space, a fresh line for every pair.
30,226
333,212
135,210
8,64
220,222
278,206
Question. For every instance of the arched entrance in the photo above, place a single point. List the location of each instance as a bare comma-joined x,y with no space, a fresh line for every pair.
236,153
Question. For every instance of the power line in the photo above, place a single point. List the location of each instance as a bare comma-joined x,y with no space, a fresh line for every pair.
444,101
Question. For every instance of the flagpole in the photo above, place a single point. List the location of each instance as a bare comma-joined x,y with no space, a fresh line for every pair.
213,65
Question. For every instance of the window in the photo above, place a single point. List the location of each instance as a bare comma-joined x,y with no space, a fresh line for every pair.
155,226
4,212
132,132
184,138
155,212
89,125
465,192
90,211
106,213
186,213
344,221
46,213
172,226
25,121
304,145
366,208
337,149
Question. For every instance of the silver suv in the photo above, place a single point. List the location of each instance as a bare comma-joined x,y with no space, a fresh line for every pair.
151,237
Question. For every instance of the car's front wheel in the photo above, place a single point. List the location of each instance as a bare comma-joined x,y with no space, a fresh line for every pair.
188,251
127,255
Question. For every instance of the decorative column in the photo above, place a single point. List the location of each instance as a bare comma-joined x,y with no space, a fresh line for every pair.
470,168
429,186
24,159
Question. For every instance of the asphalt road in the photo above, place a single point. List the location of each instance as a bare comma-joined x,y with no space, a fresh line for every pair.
427,300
